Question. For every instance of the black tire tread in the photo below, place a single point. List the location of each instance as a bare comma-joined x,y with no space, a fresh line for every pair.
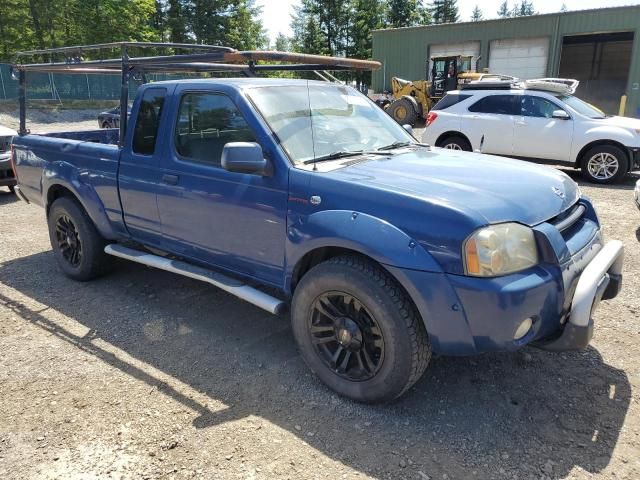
463,142
421,347
412,115
99,263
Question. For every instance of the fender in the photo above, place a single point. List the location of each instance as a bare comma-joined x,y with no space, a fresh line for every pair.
82,186
356,231
410,264
605,134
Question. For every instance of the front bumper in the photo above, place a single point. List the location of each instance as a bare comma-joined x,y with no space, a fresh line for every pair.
468,315
600,280
6,172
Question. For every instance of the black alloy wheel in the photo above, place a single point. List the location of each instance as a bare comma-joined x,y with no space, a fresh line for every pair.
346,336
69,240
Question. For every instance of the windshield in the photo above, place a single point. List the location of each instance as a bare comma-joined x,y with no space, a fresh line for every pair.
319,120
582,107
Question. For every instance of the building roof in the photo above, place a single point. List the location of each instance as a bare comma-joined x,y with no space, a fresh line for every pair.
512,19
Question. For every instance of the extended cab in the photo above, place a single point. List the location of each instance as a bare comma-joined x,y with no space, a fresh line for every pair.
305,194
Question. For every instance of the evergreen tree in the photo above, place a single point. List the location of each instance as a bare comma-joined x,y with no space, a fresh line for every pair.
476,15
307,36
282,43
406,13
563,8
503,11
444,11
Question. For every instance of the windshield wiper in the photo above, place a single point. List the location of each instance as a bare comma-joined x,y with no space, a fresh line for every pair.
395,145
343,154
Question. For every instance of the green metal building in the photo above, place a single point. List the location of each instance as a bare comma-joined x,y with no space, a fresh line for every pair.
601,48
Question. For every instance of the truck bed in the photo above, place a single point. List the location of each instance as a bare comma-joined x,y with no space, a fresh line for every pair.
84,162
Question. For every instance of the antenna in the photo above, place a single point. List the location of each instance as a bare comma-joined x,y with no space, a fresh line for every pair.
313,141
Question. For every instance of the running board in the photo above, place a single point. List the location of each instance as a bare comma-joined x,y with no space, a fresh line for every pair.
229,285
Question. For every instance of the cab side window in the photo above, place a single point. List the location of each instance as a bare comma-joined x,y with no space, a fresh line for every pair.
148,121
533,106
206,123
497,104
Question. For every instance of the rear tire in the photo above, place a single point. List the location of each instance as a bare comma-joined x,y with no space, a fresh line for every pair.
358,331
605,164
403,112
77,245
455,142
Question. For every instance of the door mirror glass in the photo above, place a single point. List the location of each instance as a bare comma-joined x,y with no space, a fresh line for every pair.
244,157
560,115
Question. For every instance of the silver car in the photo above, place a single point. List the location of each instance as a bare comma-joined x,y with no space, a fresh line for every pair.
7,178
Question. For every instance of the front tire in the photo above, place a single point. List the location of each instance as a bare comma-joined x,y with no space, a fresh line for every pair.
77,245
455,142
358,330
605,164
403,112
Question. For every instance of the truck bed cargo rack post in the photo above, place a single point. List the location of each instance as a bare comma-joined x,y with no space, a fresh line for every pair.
198,59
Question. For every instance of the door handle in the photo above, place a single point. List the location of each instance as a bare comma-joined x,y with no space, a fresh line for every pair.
170,179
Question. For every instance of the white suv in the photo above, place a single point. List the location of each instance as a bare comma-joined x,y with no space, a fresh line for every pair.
537,125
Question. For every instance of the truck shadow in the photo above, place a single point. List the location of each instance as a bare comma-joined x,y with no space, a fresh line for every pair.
527,413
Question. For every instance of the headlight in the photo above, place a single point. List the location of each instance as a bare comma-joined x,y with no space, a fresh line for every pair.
499,250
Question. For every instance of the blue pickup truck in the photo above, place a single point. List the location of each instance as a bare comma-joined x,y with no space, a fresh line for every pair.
304,195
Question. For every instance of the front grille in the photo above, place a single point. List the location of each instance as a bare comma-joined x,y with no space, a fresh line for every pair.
568,218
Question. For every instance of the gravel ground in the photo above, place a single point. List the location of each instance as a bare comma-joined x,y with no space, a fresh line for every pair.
52,119
143,374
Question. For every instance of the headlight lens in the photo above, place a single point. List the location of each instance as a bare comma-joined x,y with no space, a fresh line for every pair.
499,250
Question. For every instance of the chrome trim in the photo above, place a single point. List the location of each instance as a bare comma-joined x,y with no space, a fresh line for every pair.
571,220
229,285
608,260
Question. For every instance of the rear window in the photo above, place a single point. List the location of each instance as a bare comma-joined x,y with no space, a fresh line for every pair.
449,101
146,129
497,104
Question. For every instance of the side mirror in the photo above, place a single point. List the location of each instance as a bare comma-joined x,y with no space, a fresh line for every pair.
408,128
560,115
244,157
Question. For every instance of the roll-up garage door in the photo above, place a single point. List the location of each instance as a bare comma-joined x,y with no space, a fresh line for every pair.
524,58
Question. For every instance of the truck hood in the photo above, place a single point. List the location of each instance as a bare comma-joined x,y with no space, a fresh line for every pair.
495,188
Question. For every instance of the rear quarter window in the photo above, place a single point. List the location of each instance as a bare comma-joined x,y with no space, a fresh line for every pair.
497,104
449,101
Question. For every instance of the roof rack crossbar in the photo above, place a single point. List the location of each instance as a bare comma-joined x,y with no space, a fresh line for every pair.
111,45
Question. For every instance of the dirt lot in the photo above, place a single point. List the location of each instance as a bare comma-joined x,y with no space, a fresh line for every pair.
143,374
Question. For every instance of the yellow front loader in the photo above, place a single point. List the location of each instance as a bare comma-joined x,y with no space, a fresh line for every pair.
412,100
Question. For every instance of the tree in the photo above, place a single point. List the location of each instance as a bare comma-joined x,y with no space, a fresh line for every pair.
526,9
476,15
563,8
307,36
503,11
444,11
407,13
282,43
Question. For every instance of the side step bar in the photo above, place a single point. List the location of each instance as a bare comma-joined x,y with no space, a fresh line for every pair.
230,285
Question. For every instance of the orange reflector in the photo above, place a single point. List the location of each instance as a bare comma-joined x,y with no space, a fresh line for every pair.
473,262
